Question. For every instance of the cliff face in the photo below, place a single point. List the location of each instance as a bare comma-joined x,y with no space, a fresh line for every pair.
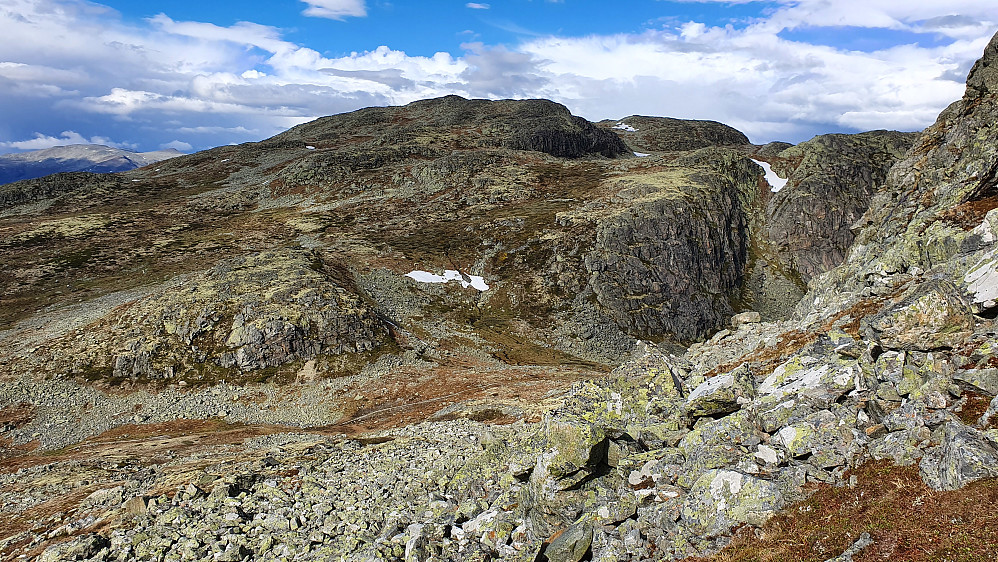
274,283
831,179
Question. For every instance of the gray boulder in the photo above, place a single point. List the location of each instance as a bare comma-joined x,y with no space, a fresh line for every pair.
965,455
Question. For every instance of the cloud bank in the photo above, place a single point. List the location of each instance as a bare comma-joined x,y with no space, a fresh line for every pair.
164,82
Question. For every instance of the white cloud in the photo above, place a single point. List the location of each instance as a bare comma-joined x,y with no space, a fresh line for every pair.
752,79
178,145
335,9
213,130
161,79
477,6
41,141
953,18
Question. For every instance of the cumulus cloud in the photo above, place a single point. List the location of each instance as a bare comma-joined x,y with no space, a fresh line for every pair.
41,141
335,9
177,145
953,18
499,72
162,80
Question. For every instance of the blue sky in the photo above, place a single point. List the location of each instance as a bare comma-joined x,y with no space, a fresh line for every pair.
196,74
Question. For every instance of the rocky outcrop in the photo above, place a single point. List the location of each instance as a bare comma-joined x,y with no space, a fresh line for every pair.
931,217
267,313
665,134
538,125
831,180
664,267
55,186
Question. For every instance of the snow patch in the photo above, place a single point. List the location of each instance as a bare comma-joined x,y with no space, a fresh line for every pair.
641,154
624,127
775,182
310,147
450,275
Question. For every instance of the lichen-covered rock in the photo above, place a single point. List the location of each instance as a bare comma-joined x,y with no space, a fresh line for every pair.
722,394
932,316
87,547
985,380
806,376
963,456
721,499
262,311
571,544
904,447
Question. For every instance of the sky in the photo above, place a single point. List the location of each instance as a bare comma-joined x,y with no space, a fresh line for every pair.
191,75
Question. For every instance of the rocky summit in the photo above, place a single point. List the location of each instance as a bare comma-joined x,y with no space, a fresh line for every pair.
492,330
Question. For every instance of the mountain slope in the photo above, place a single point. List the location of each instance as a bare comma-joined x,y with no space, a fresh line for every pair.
573,409
92,158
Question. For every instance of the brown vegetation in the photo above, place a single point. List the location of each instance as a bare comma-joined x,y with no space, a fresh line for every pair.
904,517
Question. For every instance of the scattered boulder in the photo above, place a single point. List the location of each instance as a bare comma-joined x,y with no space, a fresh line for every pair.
721,394
931,316
571,544
721,499
963,456
750,317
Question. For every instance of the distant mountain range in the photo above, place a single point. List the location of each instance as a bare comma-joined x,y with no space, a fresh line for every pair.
76,158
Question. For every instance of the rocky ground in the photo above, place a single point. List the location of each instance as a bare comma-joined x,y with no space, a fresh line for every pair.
638,382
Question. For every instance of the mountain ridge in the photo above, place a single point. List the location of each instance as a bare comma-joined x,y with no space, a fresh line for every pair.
93,158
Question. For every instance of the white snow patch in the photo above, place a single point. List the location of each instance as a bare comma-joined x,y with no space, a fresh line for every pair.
641,154
310,147
624,127
224,160
450,275
775,182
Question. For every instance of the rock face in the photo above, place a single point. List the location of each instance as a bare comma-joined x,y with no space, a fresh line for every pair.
255,313
840,171
891,355
662,266
662,134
